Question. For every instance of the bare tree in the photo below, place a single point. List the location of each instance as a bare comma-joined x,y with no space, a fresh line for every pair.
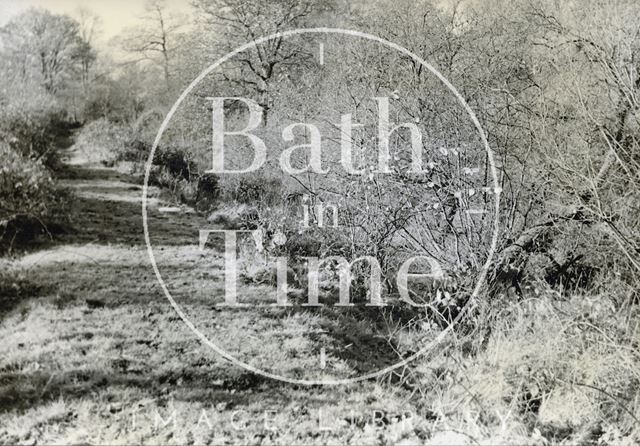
155,39
89,27
239,22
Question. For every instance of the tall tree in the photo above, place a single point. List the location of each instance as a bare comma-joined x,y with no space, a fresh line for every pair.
238,22
47,43
89,26
155,39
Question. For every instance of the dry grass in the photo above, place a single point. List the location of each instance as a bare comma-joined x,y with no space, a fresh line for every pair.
93,353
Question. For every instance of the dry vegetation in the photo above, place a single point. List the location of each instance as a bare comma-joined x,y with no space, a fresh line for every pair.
550,350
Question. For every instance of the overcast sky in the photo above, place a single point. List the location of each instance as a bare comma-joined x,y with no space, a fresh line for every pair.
115,14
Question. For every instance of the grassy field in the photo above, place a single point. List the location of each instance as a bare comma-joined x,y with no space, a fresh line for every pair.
92,352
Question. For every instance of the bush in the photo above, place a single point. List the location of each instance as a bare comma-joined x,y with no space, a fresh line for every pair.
253,189
27,197
234,216
207,191
103,141
30,122
135,150
176,162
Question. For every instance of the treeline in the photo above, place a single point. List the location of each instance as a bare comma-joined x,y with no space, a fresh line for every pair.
47,60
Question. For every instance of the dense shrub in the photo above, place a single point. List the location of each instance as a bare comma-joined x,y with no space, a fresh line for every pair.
103,141
135,150
253,189
207,191
172,169
176,162
25,185
27,197
30,123
33,127
234,216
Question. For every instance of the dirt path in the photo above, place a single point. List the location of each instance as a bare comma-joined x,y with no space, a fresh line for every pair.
92,351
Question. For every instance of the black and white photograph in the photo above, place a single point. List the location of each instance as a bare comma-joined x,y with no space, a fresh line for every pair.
320,222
